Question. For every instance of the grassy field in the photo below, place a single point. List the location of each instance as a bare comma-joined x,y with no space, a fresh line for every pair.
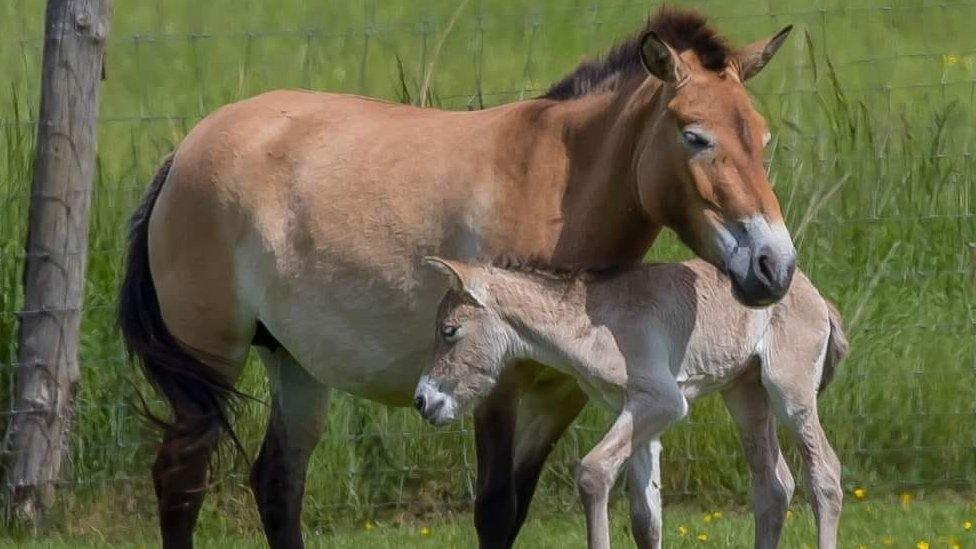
872,107
947,523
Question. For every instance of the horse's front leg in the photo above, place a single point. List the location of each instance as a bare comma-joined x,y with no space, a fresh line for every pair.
494,431
545,411
515,429
644,493
298,409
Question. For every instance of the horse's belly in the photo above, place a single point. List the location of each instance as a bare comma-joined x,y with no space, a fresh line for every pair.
360,336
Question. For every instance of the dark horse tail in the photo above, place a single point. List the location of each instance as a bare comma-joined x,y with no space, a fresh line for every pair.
199,396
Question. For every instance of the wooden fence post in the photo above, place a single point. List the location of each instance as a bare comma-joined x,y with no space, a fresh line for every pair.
56,251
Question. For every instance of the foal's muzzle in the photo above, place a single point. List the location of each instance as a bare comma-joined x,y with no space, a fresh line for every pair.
435,406
761,266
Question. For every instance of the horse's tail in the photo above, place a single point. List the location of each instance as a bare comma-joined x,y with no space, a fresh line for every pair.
199,396
837,346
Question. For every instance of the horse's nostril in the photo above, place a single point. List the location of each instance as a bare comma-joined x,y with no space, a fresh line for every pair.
418,403
764,262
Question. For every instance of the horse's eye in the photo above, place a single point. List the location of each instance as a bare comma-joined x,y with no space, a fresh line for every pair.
695,140
450,332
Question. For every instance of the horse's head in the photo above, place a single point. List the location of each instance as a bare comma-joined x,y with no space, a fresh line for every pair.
471,346
714,190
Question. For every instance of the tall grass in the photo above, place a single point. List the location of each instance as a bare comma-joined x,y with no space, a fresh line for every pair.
872,112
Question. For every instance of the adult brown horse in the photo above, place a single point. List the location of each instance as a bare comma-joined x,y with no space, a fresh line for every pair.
297,221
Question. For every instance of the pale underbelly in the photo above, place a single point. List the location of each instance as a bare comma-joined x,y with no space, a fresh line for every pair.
369,340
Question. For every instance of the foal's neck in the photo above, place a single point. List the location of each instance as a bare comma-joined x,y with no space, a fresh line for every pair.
564,322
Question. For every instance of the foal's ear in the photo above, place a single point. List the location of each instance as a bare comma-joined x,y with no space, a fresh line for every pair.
661,60
462,276
751,59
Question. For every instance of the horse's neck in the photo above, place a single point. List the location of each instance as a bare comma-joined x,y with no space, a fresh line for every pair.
599,222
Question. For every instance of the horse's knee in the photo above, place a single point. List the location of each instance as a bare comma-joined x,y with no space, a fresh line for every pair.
667,405
593,479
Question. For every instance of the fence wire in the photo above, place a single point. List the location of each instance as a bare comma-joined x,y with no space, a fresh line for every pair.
872,106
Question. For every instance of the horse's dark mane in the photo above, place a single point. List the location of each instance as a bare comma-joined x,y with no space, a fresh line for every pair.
682,29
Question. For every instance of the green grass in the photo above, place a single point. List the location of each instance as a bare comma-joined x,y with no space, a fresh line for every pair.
873,164
940,521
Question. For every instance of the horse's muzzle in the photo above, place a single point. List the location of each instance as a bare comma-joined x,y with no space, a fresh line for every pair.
761,272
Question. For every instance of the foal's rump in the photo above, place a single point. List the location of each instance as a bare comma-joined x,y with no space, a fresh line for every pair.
807,340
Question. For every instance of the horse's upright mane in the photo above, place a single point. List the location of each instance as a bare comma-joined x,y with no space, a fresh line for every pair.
682,29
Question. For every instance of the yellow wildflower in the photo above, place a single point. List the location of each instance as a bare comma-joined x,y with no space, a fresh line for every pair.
424,531
682,530
921,544
368,525
887,541
967,525
716,515
860,493
789,513
950,59
707,518
702,536
905,498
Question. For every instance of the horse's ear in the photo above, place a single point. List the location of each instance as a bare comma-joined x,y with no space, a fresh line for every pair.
462,276
661,60
751,59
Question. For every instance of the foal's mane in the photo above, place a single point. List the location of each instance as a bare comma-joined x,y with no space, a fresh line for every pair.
549,271
682,29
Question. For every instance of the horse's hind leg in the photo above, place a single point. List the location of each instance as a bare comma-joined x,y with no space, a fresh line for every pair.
181,470
772,483
298,408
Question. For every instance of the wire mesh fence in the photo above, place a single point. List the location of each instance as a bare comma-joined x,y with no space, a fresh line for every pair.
871,106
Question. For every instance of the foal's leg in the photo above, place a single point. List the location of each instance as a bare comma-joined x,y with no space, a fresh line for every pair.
545,411
772,483
821,465
643,419
298,406
644,492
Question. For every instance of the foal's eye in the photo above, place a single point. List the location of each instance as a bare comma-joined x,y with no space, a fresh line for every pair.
450,332
695,140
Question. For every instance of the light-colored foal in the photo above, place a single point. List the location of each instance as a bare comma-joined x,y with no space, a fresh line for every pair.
645,342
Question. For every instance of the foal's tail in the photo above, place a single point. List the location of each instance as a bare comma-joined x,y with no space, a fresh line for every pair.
199,396
837,346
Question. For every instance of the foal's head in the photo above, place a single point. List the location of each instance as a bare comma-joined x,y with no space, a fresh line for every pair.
699,157
472,343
